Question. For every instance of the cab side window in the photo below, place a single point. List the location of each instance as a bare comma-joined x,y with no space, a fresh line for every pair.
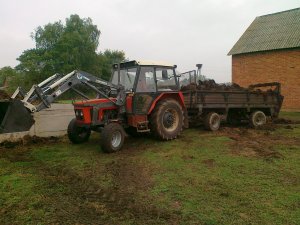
165,79
146,82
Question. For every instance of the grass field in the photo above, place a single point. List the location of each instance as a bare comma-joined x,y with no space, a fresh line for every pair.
234,176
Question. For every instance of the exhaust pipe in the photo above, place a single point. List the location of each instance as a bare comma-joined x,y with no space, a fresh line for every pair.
14,116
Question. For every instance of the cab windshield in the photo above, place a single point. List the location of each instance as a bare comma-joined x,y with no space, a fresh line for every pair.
127,77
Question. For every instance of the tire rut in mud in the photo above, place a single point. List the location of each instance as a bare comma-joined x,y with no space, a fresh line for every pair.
84,201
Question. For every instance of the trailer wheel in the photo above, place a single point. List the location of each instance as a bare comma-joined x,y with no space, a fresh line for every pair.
167,119
212,121
257,119
77,134
112,137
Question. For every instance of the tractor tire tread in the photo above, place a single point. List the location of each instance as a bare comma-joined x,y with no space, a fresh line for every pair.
73,135
156,126
106,137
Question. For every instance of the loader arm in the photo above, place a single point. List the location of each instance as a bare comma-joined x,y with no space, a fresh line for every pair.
50,89
16,113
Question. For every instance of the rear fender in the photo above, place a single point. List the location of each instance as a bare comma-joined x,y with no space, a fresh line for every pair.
178,96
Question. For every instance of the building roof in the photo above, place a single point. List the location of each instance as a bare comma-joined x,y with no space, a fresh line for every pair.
270,32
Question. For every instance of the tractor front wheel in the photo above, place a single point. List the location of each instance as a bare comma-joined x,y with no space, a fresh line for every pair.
112,137
76,134
167,119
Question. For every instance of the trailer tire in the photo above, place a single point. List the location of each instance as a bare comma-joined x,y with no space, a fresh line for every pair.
257,119
212,121
167,119
76,134
112,138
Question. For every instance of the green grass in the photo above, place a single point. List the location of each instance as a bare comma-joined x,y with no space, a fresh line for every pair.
234,190
196,179
290,115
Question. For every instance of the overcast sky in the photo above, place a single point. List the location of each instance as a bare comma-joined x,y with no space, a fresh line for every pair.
183,32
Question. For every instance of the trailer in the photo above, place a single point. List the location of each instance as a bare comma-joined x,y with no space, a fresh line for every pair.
212,103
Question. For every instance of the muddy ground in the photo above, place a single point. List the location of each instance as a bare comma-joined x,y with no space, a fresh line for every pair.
87,201
258,143
4,95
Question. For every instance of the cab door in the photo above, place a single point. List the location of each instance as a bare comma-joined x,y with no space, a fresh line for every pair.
145,91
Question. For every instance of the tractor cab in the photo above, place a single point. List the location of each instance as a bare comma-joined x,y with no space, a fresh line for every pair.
145,82
145,76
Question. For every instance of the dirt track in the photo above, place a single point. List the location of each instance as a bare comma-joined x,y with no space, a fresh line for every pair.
84,201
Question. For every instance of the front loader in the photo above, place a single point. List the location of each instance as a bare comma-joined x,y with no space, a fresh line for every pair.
16,112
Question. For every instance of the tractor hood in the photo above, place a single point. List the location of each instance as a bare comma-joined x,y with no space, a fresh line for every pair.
93,102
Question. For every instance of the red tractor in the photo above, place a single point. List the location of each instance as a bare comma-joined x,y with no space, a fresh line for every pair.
147,100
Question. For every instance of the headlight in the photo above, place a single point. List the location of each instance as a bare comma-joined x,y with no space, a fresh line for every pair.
79,114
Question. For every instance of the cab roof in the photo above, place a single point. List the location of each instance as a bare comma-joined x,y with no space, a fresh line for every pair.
144,63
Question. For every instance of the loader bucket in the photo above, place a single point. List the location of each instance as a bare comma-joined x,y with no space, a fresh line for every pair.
14,116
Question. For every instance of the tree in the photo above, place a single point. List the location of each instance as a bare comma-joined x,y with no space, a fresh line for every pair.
10,79
107,59
64,47
5,73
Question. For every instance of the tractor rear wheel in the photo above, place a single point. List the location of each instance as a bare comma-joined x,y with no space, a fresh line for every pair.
112,137
212,121
167,119
257,119
76,134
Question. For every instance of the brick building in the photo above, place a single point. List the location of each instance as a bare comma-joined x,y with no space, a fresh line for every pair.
269,51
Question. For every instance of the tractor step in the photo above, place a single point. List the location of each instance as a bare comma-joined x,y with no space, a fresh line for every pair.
143,127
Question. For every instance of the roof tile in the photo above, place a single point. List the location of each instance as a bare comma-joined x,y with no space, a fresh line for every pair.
270,32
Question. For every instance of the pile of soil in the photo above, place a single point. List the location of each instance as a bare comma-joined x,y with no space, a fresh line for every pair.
29,140
211,85
4,95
